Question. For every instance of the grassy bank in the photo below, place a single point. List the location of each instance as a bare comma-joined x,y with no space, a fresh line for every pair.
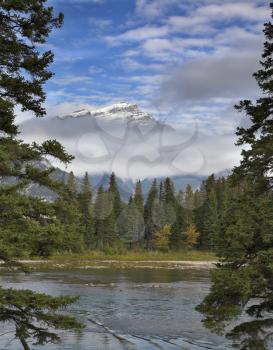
194,255
130,259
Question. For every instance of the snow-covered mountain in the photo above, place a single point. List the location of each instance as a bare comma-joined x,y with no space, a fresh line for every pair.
125,139
121,110
119,137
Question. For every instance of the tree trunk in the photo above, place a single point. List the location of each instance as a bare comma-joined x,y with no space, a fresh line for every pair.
24,343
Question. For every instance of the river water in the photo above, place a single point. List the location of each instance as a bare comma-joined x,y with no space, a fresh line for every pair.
127,309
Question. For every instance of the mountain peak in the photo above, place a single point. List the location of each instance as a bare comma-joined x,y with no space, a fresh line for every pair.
119,110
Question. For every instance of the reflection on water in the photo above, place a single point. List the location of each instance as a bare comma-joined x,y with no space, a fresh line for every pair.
141,309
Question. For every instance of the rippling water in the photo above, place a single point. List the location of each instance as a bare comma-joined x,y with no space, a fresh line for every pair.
138,309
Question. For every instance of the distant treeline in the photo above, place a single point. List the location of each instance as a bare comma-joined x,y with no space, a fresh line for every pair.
84,219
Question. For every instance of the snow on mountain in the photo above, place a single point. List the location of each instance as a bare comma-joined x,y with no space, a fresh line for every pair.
76,114
119,137
121,110
124,139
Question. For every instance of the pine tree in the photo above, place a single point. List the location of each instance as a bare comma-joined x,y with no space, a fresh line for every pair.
138,198
105,224
207,213
99,218
188,205
30,227
169,203
67,210
110,232
242,282
169,196
200,199
34,315
211,219
174,214
224,197
25,26
113,190
23,69
177,229
162,214
85,204
148,211
257,160
131,224
161,191
71,184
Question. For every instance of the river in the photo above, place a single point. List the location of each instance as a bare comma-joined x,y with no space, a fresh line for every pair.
126,309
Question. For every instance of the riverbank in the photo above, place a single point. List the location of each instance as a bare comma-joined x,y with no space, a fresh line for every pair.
156,260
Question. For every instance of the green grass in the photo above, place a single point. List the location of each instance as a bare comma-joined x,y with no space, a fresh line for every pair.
140,255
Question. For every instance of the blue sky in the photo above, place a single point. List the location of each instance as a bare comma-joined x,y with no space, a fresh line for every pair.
157,53
187,62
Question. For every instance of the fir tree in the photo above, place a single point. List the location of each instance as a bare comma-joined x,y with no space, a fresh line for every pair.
242,282
34,315
200,200
177,229
188,205
29,226
161,191
85,204
23,70
148,211
174,215
71,185
162,215
138,198
105,224
131,224
257,160
224,197
99,218
168,195
110,231
113,190
25,25
206,212
169,203
68,213
211,219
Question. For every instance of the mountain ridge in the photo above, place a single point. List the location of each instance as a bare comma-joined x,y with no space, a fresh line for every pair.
122,138
120,110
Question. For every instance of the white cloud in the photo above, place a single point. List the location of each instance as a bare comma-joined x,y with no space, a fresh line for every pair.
132,64
220,76
138,34
203,18
173,48
154,8
71,79
243,10
100,23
